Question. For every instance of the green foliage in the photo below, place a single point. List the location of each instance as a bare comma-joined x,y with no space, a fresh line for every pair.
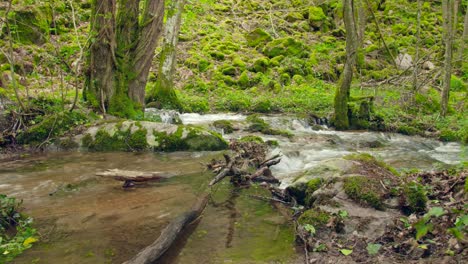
365,190
457,84
11,219
346,252
373,249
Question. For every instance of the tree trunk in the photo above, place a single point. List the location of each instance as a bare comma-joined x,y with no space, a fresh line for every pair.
150,31
99,87
121,56
342,93
448,8
163,92
464,40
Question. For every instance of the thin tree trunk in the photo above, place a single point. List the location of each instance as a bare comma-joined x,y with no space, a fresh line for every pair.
447,6
163,92
342,93
464,40
418,42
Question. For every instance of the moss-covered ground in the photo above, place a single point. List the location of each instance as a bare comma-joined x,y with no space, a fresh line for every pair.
261,56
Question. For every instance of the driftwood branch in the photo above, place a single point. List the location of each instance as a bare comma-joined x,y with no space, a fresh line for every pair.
130,177
167,237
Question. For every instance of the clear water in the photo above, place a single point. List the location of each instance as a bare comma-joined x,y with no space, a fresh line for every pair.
89,219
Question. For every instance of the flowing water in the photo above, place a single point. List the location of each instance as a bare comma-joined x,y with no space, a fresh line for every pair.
86,219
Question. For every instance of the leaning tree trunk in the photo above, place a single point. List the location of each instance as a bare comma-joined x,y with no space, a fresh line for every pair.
163,92
447,9
342,93
99,87
121,56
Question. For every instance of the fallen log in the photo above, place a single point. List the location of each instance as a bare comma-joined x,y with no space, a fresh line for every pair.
130,177
153,252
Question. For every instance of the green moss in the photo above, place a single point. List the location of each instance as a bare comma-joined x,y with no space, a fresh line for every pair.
315,217
252,138
288,47
293,17
407,130
137,140
122,106
312,186
87,140
272,143
369,159
225,125
448,135
316,14
364,190
197,140
261,65
414,198
229,70
51,126
68,144
244,80
257,37
170,142
257,124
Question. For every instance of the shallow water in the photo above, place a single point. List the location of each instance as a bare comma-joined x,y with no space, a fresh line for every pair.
83,218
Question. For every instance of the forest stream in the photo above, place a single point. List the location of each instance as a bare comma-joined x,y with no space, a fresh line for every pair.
83,218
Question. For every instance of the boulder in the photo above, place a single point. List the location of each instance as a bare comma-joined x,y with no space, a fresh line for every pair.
144,136
428,66
404,61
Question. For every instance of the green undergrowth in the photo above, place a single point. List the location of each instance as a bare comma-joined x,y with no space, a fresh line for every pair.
16,231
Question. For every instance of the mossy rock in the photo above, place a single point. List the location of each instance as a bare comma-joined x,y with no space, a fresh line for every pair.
258,37
257,124
316,16
288,47
298,192
364,190
198,140
371,160
260,65
225,125
31,26
413,198
252,138
315,217
312,186
244,80
144,135
293,17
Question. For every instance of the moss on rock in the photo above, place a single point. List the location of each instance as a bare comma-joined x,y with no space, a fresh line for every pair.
315,217
364,190
288,47
225,125
257,37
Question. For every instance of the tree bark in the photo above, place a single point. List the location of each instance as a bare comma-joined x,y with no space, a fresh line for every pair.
464,40
150,31
447,9
127,33
99,87
342,93
163,92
